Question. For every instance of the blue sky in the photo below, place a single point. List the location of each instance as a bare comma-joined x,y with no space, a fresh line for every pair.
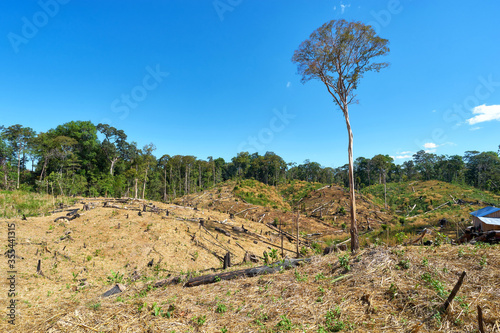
211,78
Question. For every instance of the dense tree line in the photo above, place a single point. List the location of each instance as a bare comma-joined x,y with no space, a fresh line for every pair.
80,158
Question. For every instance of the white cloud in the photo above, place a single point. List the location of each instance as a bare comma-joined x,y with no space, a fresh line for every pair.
334,7
406,152
433,111
402,157
343,7
484,113
475,128
428,151
288,84
430,145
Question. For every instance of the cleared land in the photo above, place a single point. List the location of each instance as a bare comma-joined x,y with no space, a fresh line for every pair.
380,289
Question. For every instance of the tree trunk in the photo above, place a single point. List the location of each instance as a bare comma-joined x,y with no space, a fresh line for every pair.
145,180
214,172
385,192
199,176
354,227
43,168
18,167
165,185
111,169
5,175
135,187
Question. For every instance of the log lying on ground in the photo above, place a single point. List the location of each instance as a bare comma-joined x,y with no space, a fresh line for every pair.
69,218
222,231
274,268
73,212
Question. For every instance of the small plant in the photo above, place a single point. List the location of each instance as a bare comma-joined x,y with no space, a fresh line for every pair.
267,259
404,264
344,262
89,257
316,247
319,276
440,239
200,320
461,252
333,322
300,277
425,262
95,306
51,227
221,308
273,254
341,210
437,317
142,306
157,310
483,261
284,324
392,291
217,279
401,237
434,284
115,278
223,330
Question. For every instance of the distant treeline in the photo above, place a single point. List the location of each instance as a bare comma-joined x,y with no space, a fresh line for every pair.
80,158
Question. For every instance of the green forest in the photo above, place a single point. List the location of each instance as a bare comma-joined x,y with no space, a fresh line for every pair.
81,158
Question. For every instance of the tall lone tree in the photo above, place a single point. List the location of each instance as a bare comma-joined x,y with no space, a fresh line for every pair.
338,54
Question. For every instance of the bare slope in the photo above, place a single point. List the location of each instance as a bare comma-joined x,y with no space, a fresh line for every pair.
323,209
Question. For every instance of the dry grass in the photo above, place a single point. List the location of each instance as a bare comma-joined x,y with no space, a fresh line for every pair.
387,289
378,294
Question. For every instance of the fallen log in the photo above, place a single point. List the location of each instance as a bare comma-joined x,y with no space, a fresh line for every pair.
73,212
69,218
222,231
273,268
